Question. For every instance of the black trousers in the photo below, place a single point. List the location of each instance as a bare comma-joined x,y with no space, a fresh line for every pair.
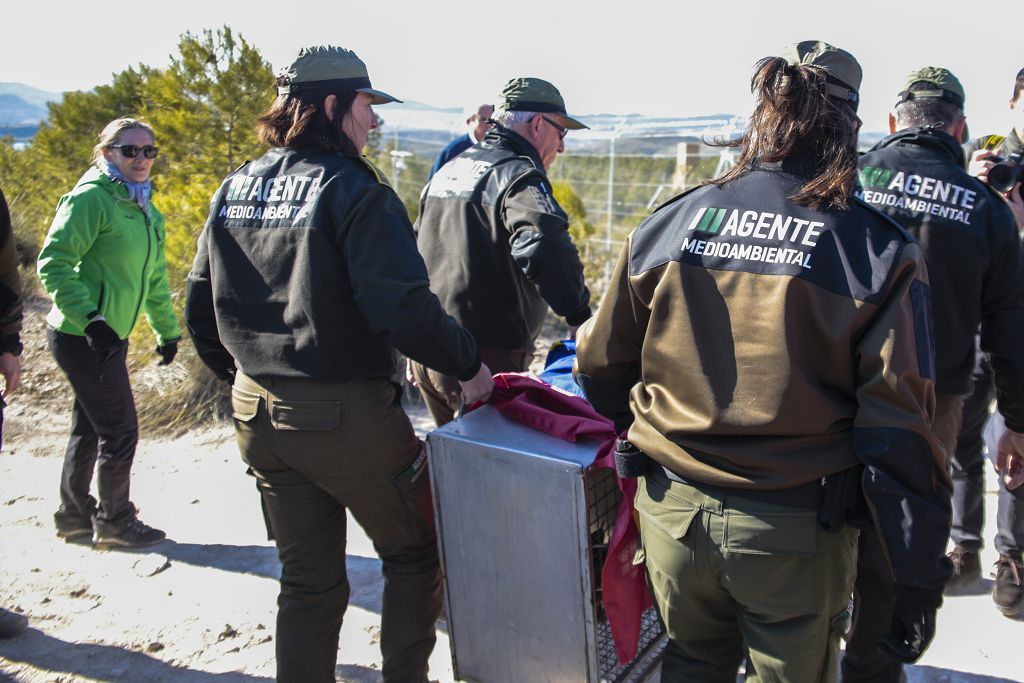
969,476
319,451
104,428
874,592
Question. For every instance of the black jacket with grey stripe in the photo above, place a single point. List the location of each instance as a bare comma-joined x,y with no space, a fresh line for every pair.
497,245
307,268
760,344
970,241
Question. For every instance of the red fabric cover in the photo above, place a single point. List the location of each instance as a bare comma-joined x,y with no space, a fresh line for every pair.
531,402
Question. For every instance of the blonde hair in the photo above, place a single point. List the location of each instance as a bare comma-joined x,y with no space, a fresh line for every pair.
112,132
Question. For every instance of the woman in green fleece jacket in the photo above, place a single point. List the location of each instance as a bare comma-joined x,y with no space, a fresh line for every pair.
103,264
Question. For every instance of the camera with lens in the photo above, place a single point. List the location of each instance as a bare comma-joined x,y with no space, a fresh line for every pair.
1006,173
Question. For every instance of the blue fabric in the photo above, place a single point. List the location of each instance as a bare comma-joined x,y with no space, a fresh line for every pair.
558,367
138,192
452,150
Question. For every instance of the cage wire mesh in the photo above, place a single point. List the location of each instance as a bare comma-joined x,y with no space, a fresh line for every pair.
603,498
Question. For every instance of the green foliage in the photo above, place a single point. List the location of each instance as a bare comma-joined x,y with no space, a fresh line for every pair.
21,189
406,172
203,108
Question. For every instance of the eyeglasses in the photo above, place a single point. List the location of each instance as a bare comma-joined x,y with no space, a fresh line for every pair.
562,132
132,151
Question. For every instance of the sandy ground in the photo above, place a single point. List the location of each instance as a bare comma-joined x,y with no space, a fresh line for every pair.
201,606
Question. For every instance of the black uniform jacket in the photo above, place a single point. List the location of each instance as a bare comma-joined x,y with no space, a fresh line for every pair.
970,241
307,268
497,245
763,345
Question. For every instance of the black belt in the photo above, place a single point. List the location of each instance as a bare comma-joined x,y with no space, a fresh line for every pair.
806,496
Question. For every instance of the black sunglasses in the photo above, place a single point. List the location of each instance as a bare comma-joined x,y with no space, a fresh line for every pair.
562,132
132,151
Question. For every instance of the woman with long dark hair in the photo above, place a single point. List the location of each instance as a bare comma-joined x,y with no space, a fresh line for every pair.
766,342
306,279
103,264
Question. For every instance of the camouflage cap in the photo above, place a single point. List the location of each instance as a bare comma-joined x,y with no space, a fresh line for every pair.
535,94
327,67
842,72
947,86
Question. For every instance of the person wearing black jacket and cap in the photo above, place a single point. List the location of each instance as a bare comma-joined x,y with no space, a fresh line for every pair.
972,248
969,460
306,280
496,242
11,623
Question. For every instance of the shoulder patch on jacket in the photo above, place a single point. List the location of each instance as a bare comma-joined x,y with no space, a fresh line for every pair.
991,142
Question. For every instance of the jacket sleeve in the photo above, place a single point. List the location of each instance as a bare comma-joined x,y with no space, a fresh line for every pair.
905,479
391,288
200,316
1002,320
72,233
609,346
10,285
542,248
158,307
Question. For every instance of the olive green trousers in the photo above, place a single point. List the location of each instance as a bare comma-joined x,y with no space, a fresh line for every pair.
731,575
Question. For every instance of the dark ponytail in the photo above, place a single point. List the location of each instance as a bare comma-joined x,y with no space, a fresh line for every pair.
795,116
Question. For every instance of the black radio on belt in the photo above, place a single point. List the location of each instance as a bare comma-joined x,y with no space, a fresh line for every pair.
630,461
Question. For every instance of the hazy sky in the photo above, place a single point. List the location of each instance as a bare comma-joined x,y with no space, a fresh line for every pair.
667,58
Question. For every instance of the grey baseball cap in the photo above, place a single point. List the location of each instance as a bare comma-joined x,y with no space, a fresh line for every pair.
536,94
328,67
843,74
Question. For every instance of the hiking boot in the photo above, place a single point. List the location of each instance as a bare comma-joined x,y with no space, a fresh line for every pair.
72,525
130,534
12,623
1008,592
966,569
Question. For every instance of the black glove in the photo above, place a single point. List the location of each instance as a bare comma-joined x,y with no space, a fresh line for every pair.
913,625
167,352
101,337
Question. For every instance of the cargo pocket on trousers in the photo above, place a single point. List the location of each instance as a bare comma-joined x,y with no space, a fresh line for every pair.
305,416
244,405
668,514
413,484
786,534
770,561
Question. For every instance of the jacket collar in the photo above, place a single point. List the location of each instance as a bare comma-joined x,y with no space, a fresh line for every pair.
94,176
500,137
800,165
931,138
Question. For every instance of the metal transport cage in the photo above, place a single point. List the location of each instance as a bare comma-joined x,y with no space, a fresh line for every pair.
523,522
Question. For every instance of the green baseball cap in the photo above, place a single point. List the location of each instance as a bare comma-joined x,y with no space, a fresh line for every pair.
536,94
327,67
947,87
843,74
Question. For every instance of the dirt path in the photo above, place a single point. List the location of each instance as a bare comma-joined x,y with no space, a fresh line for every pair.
201,607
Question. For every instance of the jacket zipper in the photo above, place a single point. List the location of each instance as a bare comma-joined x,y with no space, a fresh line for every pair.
145,267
